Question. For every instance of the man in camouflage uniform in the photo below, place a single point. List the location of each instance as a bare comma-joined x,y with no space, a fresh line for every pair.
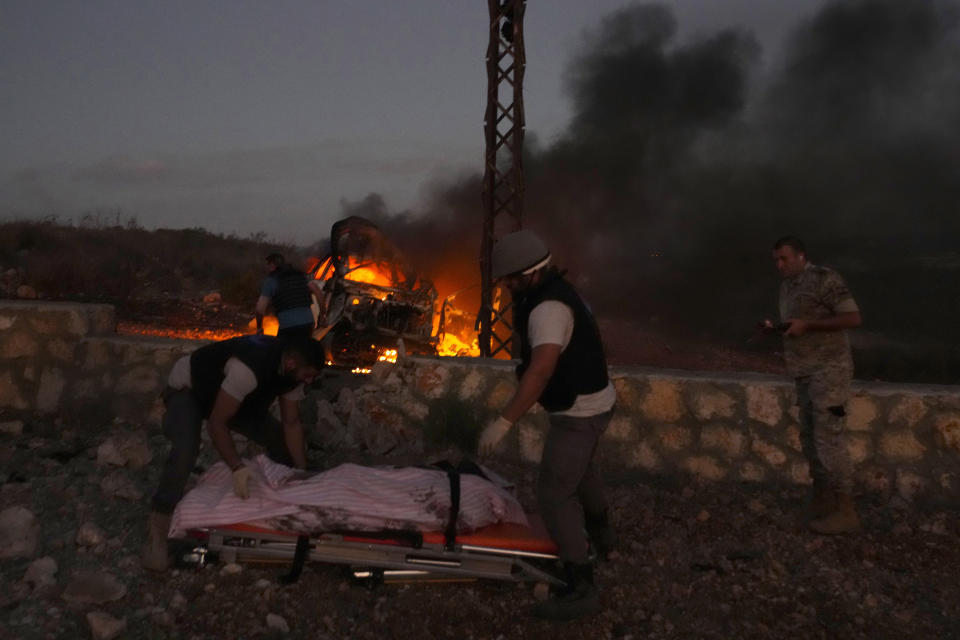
816,309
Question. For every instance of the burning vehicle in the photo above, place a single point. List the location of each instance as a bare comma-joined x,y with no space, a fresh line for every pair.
373,298
373,301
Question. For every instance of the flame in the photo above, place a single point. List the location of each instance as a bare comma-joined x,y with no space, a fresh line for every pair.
369,274
453,345
459,340
270,325
359,271
459,336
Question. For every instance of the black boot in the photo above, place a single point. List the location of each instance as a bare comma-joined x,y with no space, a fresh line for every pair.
601,535
579,598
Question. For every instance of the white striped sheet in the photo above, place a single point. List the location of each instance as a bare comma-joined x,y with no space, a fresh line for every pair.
354,496
212,501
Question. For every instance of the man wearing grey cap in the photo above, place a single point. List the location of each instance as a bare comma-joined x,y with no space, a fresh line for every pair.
564,369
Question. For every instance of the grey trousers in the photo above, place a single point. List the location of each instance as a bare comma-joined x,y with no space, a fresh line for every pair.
569,486
181,424
822,402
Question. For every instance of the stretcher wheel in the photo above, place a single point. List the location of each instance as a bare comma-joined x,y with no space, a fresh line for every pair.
187,555
370,578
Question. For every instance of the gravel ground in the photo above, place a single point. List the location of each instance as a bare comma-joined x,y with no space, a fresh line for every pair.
697,561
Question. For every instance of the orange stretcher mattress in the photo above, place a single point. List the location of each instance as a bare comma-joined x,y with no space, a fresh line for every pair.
507,536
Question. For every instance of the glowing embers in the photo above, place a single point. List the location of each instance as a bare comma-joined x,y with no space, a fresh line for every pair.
386,355
128,328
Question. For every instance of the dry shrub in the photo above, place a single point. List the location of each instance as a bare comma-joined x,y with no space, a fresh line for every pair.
453,421
241,289
100,261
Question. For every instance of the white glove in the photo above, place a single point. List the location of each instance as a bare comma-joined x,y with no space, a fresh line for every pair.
241,481
491,436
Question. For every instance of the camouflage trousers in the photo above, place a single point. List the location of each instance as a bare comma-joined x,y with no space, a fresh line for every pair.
822,399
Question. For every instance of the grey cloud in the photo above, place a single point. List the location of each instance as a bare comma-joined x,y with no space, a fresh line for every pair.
248,167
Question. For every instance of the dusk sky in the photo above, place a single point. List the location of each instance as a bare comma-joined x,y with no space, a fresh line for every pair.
247,116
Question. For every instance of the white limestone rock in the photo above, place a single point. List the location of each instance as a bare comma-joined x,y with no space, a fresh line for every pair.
19,533
41,573
277,623
90,535
94,587
103,626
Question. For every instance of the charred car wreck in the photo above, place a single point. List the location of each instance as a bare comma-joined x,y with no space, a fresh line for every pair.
372,297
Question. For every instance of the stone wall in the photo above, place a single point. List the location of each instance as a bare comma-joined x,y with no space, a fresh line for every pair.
904,439
64,360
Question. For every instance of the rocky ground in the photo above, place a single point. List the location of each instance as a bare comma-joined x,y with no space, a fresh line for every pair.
698,561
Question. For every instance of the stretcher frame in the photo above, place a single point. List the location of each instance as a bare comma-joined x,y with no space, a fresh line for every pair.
508,552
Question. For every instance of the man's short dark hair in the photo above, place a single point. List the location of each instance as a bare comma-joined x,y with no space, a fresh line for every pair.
309,350
276,260
793,242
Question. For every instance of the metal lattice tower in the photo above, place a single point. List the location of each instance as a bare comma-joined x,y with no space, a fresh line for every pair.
503,129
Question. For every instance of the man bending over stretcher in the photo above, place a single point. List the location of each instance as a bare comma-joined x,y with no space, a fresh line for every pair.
231,385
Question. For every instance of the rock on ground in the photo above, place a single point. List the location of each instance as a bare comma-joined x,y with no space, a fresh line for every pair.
694,560
19,533
103,626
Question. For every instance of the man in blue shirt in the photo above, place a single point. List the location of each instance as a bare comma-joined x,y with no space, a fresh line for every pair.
288,290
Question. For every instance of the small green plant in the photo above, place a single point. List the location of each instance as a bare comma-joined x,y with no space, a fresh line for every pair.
453,421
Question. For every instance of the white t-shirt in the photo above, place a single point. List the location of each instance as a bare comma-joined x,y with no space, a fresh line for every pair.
238,381
551,322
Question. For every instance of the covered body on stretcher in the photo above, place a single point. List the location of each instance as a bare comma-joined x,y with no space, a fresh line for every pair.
394,523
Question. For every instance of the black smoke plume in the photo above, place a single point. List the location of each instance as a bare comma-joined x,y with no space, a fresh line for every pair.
682,164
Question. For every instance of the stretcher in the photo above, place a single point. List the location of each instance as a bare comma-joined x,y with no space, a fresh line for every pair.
436,522
504,551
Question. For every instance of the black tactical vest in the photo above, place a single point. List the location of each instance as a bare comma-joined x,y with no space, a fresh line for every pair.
582,367
292,291
262,354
